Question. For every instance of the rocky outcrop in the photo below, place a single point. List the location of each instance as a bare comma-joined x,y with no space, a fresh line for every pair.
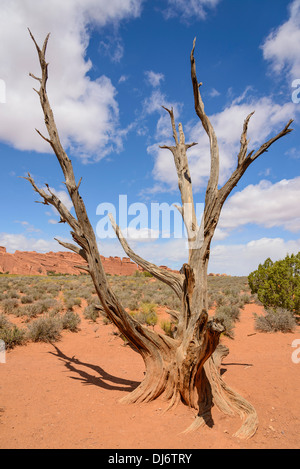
34,263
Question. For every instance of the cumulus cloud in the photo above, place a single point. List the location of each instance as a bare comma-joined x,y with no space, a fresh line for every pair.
241,259
264,204
19,242
86,110
281,47
232,259
63,197
268,120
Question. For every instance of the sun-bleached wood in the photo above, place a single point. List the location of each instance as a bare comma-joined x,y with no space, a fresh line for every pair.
185,367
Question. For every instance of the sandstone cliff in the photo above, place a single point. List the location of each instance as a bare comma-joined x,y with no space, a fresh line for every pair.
34,263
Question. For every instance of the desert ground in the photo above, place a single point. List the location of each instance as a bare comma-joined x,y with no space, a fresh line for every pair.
66,394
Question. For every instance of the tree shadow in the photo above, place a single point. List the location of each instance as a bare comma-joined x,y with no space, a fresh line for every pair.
103,380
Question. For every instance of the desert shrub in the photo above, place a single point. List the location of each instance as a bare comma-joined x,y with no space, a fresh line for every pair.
133,304
147,308
12,336
167,327
220,299
71,301
45,329
151,318
91,313
227,322
232,311
278,284
276,319
228,314
145,273
146,314
4,322
27,299
12,294
70,321
9,305
40,307
245,298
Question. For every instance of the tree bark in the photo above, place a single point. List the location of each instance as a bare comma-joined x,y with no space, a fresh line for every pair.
185,367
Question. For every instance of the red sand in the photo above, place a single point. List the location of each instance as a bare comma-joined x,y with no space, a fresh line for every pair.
67,395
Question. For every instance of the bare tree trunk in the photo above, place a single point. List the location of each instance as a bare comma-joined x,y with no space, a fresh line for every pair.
185,367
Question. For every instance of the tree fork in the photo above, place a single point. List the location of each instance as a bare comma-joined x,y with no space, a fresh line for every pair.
185,367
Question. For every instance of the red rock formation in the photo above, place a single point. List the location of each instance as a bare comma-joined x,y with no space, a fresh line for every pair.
33,263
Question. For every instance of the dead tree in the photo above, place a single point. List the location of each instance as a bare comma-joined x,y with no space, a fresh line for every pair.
186,367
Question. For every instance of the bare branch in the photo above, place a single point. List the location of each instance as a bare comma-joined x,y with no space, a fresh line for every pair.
212,186
43,137
246,161
170,111
184,179
244,141
175,281
73,248
252,156
52,199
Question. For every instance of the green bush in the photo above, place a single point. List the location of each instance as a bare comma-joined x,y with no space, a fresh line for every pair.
278,284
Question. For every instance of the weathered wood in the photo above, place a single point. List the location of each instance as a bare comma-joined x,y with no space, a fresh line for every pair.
186,367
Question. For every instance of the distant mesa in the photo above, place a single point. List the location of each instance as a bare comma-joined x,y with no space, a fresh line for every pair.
62,262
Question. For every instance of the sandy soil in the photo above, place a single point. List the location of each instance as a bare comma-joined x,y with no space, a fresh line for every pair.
67,395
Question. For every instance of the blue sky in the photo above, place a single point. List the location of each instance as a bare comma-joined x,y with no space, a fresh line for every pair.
112,66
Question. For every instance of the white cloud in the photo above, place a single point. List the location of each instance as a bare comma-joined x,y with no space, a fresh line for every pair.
19,242
214,93
113,48
63,197
241,259
281,47
264,204
153,104
268,120
29,228
188,9
153,78
86,111
232,259
123,78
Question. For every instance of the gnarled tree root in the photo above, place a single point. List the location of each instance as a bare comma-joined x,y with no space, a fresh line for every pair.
214,392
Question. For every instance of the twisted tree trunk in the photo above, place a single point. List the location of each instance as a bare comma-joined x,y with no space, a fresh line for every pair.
184,367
